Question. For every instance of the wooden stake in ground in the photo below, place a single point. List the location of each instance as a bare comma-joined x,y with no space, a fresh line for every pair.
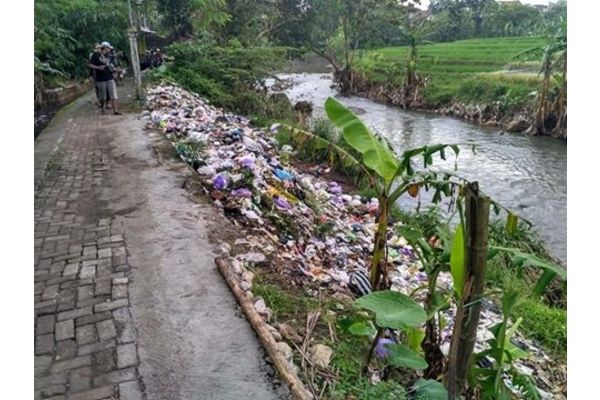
294,384
477,213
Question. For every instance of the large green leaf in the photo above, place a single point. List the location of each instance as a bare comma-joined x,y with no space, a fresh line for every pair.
392,309
375,155
430,390
457,261
401,355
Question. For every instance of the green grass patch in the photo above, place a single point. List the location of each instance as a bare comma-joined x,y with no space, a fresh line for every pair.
285,303
545,324
542,322
471,71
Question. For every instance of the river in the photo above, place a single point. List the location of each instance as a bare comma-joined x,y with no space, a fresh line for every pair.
524,173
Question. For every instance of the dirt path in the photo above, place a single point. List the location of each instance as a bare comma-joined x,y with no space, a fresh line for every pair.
128,303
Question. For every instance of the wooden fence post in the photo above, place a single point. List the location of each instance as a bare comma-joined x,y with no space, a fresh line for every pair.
477,213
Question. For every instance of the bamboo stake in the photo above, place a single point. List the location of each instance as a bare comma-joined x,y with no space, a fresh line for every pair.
295,385
477,213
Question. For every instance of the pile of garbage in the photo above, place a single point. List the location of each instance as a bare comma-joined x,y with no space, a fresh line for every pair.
319,235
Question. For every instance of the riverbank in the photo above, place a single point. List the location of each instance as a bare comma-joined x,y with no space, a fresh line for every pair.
306,236
489,113
479,80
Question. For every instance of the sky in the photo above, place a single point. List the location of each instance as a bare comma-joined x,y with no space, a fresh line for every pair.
425,3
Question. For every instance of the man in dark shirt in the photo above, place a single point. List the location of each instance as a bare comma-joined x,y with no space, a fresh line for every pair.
107,90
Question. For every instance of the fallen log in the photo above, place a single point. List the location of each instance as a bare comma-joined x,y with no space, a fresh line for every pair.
295,385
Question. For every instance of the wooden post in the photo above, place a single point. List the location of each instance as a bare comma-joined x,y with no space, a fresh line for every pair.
295,385
477,213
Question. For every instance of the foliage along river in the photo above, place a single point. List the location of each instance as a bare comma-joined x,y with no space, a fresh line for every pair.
524,173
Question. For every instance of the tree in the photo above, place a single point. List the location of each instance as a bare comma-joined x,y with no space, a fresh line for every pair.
451,20
335,30
176,16
415,30
512,20
65,32
181,18
477,9
551,107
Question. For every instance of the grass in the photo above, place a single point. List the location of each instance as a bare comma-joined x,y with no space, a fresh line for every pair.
349,360
471,71
291,306
286,305
496,52
541,322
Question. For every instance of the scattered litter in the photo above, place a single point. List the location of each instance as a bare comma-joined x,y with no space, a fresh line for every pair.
318,234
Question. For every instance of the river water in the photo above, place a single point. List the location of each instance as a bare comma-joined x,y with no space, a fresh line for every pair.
524,173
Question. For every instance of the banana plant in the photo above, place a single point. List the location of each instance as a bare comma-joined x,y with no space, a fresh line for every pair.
393,176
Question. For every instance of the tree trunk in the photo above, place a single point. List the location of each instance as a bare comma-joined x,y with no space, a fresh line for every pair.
378,264
540,114
477,212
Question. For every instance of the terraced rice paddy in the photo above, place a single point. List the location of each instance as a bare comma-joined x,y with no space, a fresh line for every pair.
451,66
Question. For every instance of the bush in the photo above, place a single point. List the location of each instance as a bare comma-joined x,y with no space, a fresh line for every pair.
511,93
228,77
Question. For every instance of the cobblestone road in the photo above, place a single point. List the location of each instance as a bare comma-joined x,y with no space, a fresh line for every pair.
85,341
128,304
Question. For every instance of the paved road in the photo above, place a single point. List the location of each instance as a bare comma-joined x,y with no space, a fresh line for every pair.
127,302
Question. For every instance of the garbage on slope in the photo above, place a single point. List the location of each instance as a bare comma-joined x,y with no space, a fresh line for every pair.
316,234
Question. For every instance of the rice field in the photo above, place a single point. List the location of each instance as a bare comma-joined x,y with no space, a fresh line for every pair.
450,66
467,56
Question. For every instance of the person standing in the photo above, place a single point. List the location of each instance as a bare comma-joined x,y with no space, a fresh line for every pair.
93,72
107,90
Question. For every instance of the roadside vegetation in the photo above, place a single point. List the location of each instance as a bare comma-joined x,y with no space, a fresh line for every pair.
521,277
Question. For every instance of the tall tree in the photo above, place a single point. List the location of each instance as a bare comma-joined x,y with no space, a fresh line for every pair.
176,16
182,18
477,9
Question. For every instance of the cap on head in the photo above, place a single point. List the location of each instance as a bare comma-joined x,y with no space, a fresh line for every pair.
106,44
